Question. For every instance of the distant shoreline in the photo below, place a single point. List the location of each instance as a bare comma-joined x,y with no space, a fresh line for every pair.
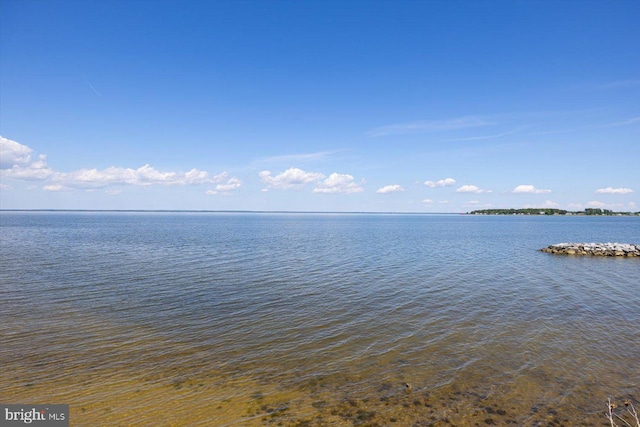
547,211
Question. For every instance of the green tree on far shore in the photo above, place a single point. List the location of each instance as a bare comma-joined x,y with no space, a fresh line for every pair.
549,211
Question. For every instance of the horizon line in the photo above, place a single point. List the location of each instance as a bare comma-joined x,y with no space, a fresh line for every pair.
229,211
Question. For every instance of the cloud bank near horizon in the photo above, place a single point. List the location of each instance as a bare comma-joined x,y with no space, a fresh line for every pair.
296,178
611,190
18,163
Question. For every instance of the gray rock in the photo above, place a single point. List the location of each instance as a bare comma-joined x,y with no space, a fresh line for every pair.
595,249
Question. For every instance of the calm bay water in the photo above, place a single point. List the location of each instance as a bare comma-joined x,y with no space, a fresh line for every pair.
316,319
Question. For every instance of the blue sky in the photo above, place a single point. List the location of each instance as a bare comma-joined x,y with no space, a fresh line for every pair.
402,106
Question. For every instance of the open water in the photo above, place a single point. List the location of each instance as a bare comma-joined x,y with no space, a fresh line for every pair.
242,319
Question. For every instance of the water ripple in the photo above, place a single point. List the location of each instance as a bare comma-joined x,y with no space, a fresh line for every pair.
286,298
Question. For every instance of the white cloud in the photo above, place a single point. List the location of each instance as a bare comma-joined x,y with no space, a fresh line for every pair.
230,185
390,189
427,201
197,177
429,126
291,178
339,183
144,176
297,178
13,153
530,189
443,201
550,204
610,190
597,204
447,182
547,204
37,170
17,163
113,192
5,186
631,205
471,189
55,187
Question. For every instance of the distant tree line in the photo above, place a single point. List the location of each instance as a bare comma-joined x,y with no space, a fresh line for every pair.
549,211
598,211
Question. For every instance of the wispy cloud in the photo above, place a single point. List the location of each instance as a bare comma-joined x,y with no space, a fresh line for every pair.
529,189
512,119
620,84
91,86
627,122
485,137
611,190
395,188
430,126
300,157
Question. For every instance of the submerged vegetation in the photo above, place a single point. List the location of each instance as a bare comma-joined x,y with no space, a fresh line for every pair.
549,211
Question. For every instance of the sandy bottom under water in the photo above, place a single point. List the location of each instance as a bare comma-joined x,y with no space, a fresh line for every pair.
477,396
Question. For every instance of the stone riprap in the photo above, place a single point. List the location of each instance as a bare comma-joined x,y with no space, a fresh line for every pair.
596,249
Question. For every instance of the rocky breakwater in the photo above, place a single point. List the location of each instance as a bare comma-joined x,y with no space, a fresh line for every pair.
596,249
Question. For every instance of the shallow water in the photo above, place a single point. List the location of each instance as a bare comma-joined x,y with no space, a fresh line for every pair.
316,319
